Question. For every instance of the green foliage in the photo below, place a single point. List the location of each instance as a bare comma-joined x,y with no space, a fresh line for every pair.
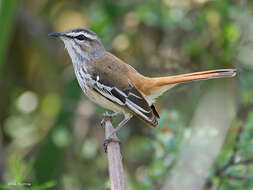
19,171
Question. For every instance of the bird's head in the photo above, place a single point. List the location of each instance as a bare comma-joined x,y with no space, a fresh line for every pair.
80,43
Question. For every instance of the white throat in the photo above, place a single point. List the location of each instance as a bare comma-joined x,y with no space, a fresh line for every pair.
76,54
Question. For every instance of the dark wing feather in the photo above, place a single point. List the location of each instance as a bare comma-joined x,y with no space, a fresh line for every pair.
128,97
155,111
109,79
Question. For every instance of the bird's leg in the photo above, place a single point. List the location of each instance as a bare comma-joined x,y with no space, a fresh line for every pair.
109,139
127,117
107,116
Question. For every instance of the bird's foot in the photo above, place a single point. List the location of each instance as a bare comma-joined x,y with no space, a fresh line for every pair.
107,116
109,140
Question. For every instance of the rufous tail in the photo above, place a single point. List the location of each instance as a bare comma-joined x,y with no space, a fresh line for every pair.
160,83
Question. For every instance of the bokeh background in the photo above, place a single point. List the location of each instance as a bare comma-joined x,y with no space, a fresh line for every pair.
50,134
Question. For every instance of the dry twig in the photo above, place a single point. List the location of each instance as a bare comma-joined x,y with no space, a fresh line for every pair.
116,172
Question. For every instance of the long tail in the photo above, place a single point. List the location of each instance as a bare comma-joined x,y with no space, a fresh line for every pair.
195,76
159,85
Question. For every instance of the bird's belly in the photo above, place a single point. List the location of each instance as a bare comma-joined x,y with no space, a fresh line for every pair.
102,101
96,97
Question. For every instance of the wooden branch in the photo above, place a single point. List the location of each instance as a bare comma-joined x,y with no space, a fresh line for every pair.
116,171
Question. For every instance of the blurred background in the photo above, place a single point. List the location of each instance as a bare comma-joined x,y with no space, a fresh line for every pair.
50,134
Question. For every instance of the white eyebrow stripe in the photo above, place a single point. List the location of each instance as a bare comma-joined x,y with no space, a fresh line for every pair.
90,36
93,37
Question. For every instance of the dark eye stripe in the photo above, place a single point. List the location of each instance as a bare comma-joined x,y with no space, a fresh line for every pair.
81,37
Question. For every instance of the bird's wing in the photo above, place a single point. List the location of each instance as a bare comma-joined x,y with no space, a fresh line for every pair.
110,79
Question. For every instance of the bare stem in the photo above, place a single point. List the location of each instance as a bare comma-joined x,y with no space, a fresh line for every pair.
116,171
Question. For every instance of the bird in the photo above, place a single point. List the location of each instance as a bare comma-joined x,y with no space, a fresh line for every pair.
116,85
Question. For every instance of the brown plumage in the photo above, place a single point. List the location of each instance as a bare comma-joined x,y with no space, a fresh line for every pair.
116,73
117,86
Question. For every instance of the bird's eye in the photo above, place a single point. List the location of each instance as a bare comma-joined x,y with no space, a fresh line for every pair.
81,37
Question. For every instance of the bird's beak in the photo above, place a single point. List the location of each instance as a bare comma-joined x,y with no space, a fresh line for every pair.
57,34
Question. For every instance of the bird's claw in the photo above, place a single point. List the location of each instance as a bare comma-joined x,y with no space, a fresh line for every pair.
106,117
108,140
